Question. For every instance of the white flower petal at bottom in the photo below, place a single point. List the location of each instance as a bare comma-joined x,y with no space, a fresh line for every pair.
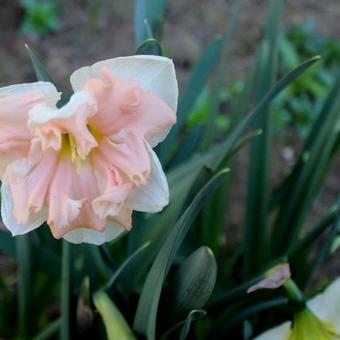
92,236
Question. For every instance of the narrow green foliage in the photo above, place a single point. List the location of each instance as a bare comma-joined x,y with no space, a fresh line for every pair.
39,68
150,47
149,16
197,82
49,331
307,175
184,325
65,331
255,237
7,244
116,326
192,317
315,233
213,215
125,268
145,319
248,312
24,284
221,72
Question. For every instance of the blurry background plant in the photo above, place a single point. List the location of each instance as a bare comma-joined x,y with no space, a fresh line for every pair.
40,17
185,272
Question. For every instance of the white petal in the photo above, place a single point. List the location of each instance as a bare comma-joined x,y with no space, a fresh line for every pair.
153,196
326,305
48,89
154,73
86,235
34,221
42,113
280,332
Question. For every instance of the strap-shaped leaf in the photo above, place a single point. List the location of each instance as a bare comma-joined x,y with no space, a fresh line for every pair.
150,47
194,315
197,82
115,323
39,68
149,15
7,244
128,265
255,231
146,315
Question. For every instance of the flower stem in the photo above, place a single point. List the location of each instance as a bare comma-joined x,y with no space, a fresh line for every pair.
295,295
65,291
24,278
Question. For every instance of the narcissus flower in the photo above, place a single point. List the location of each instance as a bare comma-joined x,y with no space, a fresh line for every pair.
320,320
84,167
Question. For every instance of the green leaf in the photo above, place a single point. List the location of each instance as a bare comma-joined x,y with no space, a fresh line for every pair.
7,244
180,182
222,67
198,80
39,68
182,178
116,326
149,15
315,233
188,147
127,266
49,331
255,234
226,325
194,315
150,47
222,151
23,250
326,248
145,319
194,282
65,291
306,178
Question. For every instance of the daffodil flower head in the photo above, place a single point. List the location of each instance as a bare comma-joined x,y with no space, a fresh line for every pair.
86,166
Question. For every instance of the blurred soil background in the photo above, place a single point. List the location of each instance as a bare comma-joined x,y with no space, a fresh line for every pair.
89,31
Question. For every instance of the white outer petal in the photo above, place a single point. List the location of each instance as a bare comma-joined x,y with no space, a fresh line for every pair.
326,306
42,113
86,235
52,96
154,73
280,332
153,196
35,220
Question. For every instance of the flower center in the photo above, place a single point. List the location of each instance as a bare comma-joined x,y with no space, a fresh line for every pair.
71,151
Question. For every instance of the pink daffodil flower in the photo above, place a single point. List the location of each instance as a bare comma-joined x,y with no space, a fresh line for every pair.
86,166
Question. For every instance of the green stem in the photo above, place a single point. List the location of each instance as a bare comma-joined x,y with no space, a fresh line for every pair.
65,291
295,295
24,275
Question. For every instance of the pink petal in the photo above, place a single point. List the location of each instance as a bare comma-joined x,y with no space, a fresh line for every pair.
123,104
49,124
14,134
28,182
70,199
128,153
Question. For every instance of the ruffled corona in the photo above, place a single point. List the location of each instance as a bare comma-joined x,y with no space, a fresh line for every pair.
84,167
